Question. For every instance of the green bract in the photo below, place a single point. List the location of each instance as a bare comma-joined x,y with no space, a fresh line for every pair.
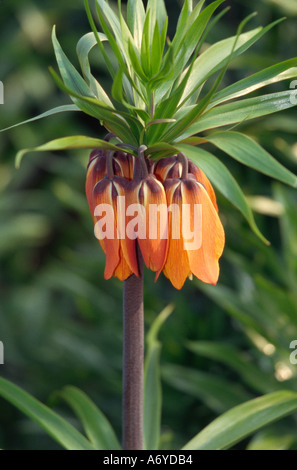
160,95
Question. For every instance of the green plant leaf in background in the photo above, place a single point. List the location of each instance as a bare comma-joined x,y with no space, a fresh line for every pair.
248,152
152,385
236,360
243,420
96,425
51,112
51,422
216,393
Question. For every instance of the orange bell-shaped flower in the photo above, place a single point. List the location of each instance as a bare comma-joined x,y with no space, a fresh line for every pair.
108,179
196,235
146,197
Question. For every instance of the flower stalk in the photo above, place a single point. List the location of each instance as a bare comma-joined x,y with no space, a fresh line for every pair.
133,353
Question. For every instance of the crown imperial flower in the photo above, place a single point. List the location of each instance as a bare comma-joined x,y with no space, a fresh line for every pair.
161,102
170,187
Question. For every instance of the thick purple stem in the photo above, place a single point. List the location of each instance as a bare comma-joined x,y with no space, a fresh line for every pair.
133,351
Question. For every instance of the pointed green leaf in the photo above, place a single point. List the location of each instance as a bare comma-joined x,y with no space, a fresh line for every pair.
120,44
193,33
215,57
58,428
135,18
248,152
243,420
70,75
220,176
115,120
135,60
185,20
242,110
101,48
193,115
96,425
216,393
145,46
84,46
236,360
156,51
158,12
51,112
272,440
66,143
282,71
82,96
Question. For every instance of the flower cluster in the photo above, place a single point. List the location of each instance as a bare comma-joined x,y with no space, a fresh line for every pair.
174,183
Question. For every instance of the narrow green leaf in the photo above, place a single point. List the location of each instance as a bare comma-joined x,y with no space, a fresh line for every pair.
152,384
135,18
223,180
51,112
82,96
126,35
70,75
158,12
110,117
248,152
276,73
84,46
156,51
120,43
272,440
216,393
96,425
193,115
182,21
117,93
145,46
231,357
165,73
59,429
135,60
160,147
242,110
215,57
193,33
66,143
243,420
101,48
186,20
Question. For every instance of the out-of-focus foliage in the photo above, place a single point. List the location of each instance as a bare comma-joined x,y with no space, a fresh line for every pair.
60,322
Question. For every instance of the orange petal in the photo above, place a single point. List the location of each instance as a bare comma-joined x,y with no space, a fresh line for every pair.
202,178
128,245
204,261
103,194
122,271
95,172
177,267
154,247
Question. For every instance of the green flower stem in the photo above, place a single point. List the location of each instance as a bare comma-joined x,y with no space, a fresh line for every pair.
133,352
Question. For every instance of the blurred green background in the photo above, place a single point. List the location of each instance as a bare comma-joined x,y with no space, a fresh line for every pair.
60,322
